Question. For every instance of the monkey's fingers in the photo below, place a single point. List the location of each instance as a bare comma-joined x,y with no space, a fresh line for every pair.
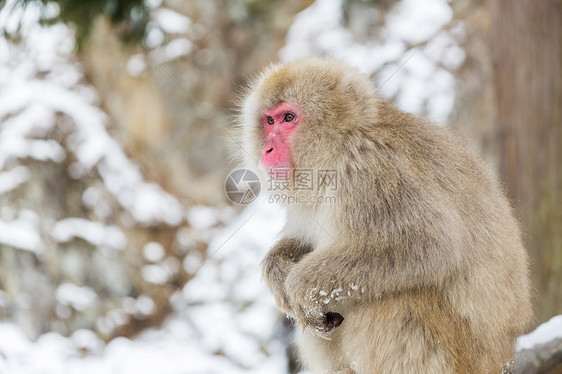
308,316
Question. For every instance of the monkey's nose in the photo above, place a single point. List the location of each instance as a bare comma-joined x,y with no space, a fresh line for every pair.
269,150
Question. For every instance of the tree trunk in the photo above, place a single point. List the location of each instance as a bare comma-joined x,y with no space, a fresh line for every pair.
526,45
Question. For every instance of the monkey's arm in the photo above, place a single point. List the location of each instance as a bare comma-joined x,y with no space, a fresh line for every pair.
331,279
277,265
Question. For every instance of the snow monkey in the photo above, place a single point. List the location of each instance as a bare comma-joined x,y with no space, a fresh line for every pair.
416,265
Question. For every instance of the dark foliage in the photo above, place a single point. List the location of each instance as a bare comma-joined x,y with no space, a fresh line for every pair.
129,16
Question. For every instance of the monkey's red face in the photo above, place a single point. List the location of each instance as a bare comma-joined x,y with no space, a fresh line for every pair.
279,125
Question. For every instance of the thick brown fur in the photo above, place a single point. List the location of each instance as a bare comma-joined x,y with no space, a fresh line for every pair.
420,252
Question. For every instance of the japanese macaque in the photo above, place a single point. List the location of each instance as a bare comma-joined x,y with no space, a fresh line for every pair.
417,264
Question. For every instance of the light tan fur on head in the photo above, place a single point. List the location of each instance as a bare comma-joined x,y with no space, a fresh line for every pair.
281,83
420,253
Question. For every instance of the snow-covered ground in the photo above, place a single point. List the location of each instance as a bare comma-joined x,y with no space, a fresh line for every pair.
184,344
224,321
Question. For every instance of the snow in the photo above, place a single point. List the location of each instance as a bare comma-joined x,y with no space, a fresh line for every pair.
86,340
218,326
192,261
144,305
201,217
443,48
166,36
175,348
112,320
408,64
37,104
136,65
175,49
22,233
93,147
95,233
13,178
156,274
14,138
171,22
178,48
93,198
153,252
545,333
154,37
416,21
78,297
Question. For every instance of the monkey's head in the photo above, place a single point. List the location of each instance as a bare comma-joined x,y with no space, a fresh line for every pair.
297,115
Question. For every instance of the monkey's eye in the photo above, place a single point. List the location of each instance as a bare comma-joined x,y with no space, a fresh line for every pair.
289,117
270,120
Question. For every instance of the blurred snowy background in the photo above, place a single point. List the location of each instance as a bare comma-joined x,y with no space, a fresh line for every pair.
119,251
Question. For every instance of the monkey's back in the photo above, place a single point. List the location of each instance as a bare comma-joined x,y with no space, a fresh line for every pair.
436,190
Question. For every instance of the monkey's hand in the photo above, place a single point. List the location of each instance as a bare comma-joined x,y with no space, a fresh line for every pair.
275,272
315,298
277,265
